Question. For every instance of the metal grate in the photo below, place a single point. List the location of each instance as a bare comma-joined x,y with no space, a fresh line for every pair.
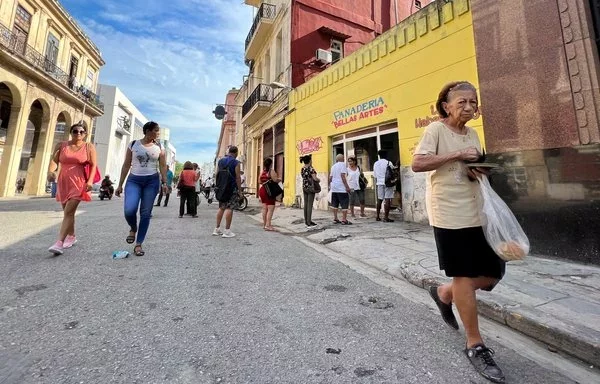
266,11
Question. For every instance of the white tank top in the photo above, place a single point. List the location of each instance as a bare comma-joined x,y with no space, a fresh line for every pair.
144,160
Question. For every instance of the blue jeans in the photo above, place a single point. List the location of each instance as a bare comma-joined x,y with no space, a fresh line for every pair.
140,191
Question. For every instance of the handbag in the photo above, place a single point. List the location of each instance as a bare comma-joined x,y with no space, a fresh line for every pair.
88,166
273,189
363,183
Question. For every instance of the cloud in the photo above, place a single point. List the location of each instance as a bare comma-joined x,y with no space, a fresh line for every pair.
174,60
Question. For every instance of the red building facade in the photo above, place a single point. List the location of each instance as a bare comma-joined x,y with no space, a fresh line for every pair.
340,26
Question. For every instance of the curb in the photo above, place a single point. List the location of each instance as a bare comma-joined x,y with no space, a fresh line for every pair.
581,343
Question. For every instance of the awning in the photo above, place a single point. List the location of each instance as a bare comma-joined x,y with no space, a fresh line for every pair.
333,33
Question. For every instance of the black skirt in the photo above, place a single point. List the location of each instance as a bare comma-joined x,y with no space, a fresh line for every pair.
465,253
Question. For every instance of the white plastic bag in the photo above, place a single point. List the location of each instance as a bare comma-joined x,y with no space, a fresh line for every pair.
502,230
329,196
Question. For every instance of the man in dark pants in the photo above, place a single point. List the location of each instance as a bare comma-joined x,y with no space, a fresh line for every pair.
169,188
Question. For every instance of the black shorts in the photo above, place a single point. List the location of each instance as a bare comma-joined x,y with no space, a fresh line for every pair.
340,200
465,253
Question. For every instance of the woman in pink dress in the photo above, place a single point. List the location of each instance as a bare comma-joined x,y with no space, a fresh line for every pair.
73,185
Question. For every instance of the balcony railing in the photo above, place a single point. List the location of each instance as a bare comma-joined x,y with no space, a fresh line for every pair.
19,47
266,11
262,93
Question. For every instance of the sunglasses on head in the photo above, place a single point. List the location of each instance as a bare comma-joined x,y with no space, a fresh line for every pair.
78,132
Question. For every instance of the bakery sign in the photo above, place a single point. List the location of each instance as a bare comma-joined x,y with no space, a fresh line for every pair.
310,145
367,109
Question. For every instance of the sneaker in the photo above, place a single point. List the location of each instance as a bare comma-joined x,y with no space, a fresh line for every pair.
445,309
228,233
481,358
216,232
69,241
57,248
313,224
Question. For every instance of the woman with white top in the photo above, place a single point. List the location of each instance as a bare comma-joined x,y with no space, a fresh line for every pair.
145,160
357,195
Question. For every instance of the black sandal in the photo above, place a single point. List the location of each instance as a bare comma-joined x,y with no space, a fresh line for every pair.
130,239
336,221
138,251
346,222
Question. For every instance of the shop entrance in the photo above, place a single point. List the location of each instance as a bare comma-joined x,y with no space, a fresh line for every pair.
364,145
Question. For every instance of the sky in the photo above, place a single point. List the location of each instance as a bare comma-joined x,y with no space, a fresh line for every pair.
175,60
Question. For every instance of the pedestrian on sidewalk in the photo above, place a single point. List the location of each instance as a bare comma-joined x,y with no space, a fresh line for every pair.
228,190
357,194
453,204
74,185
147,168
309,177
196,186
268,202
187,189
338,185
385,194
167,194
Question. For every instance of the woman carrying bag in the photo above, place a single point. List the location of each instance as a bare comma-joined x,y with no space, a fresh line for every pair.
268,180
310,187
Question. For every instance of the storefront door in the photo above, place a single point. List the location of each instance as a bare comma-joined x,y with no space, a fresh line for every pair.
364,145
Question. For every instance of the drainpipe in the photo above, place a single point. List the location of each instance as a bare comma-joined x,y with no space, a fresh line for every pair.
396,10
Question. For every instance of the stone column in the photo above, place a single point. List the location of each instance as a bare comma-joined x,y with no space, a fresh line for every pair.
11,157
43,152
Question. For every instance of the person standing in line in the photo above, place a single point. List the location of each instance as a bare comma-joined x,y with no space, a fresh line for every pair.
169,190
357,195
384,194
147,168
309,176
229,182
197,188
73,185
340,190
453,205
187,188
268,202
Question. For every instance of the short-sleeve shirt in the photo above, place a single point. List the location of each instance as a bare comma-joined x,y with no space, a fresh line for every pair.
379,169
188,177
353,177
337,185
453,201
144,160
307,173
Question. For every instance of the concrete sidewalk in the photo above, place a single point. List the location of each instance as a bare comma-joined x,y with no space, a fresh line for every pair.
555,302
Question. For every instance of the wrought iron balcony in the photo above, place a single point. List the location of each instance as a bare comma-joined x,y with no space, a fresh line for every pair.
260,27
19,47
257,104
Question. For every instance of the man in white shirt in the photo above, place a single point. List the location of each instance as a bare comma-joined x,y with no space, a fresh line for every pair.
383,193
338,185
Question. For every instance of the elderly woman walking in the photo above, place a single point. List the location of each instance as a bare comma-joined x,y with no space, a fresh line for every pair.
145,163
74,185
453,204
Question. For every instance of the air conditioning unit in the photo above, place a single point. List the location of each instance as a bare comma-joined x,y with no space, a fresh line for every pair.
323,56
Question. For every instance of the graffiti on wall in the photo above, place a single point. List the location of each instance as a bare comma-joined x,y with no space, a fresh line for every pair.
367,109
310,145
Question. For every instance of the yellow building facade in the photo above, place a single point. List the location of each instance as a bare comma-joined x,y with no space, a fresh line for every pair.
382,97
48,78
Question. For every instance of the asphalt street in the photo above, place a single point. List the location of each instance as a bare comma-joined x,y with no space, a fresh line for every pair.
258,308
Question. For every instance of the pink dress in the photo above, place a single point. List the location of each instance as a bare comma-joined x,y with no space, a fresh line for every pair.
71,179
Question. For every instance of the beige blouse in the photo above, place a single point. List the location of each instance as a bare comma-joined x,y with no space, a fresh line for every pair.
453,201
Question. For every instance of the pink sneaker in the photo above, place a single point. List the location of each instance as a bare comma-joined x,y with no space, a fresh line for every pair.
57,248
69,241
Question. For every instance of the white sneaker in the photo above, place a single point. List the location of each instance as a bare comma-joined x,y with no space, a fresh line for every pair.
217,232
228,233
